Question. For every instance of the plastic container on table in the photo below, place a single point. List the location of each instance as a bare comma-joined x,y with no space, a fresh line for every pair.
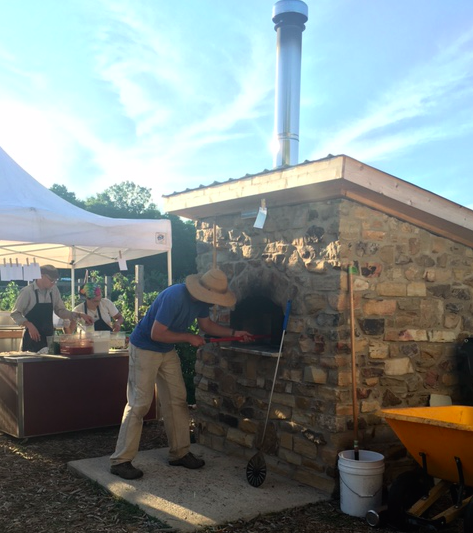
54,347
118,340
75,345
100,341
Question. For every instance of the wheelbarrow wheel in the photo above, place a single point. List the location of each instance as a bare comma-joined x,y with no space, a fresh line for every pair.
406,490
468,518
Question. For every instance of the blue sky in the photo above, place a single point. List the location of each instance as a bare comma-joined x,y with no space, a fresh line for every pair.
175,94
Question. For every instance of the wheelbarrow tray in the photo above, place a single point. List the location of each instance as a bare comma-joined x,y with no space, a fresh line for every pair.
443,434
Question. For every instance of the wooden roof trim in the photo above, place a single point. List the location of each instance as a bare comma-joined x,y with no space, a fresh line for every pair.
330,178
406,195
257,185
428,222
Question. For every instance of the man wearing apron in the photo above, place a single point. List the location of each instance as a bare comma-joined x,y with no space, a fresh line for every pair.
34,309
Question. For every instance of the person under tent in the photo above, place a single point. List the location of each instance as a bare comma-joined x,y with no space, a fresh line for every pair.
102,311
35,306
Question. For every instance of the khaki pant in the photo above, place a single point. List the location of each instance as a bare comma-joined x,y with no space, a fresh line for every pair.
147,368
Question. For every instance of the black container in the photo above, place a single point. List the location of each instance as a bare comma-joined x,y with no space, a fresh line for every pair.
465,370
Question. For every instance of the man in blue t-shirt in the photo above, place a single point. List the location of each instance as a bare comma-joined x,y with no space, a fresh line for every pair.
153,359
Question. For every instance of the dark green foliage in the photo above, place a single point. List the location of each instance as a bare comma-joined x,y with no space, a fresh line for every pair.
187,354
8,296
61,190
123,296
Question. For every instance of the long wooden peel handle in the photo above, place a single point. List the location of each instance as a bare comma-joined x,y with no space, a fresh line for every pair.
353,361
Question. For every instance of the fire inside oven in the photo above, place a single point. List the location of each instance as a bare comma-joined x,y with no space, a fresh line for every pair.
260,316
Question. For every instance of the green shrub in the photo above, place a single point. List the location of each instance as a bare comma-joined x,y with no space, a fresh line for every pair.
8,296
187,355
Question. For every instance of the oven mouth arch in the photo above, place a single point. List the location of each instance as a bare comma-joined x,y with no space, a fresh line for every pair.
261,316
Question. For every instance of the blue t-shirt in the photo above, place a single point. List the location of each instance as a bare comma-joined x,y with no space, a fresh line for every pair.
173,308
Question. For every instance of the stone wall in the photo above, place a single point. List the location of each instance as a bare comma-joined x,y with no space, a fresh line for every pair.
412,297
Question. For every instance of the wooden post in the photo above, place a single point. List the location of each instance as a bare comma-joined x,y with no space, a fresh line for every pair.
139,289
214,265
214,254
351,270
79,283
108,287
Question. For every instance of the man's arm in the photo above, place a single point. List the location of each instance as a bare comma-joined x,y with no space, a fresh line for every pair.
62,312
19,309
161,333
212,328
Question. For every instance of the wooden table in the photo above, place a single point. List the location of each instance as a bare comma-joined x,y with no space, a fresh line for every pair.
10,339
11,334
43,396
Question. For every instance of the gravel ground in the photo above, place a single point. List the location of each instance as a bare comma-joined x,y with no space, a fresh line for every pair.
38,494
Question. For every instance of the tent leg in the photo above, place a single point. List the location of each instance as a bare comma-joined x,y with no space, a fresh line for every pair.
139,289
73,286
169,267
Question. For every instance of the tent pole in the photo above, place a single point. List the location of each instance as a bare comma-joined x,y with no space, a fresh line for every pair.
169,267
139,286
73,276
73,285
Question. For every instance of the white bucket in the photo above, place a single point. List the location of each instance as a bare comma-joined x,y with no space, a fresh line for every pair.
361,481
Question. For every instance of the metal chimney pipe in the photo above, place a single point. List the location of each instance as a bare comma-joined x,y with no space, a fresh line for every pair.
289,17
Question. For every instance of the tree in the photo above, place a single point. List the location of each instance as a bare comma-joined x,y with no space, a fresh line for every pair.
124,200
70,197
128,200
184,249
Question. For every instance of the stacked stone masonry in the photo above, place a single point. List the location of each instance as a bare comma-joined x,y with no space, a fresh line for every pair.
412,299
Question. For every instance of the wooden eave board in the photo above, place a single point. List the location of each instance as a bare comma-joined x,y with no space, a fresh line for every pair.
229,197
327,179
427,221
403,193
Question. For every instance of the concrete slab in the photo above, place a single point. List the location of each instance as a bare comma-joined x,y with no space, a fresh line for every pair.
188,500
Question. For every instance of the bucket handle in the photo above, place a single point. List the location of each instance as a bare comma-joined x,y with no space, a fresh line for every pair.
360,495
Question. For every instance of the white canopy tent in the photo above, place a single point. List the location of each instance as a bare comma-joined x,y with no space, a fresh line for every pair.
37,224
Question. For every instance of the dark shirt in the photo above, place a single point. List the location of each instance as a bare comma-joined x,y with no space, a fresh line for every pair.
173,308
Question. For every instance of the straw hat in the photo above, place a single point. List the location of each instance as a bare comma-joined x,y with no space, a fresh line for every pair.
211,288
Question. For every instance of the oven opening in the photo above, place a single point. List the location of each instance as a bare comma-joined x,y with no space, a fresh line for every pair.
260,316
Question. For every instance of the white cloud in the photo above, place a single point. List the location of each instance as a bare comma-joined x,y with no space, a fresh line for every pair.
29,136
17,79
176,105
427,93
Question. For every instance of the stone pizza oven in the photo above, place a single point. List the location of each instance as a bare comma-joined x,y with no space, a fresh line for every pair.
413,255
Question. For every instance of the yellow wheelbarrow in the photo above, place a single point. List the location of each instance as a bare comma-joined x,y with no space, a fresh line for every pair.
440,439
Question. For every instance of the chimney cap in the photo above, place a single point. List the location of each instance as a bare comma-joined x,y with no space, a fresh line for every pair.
296,7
